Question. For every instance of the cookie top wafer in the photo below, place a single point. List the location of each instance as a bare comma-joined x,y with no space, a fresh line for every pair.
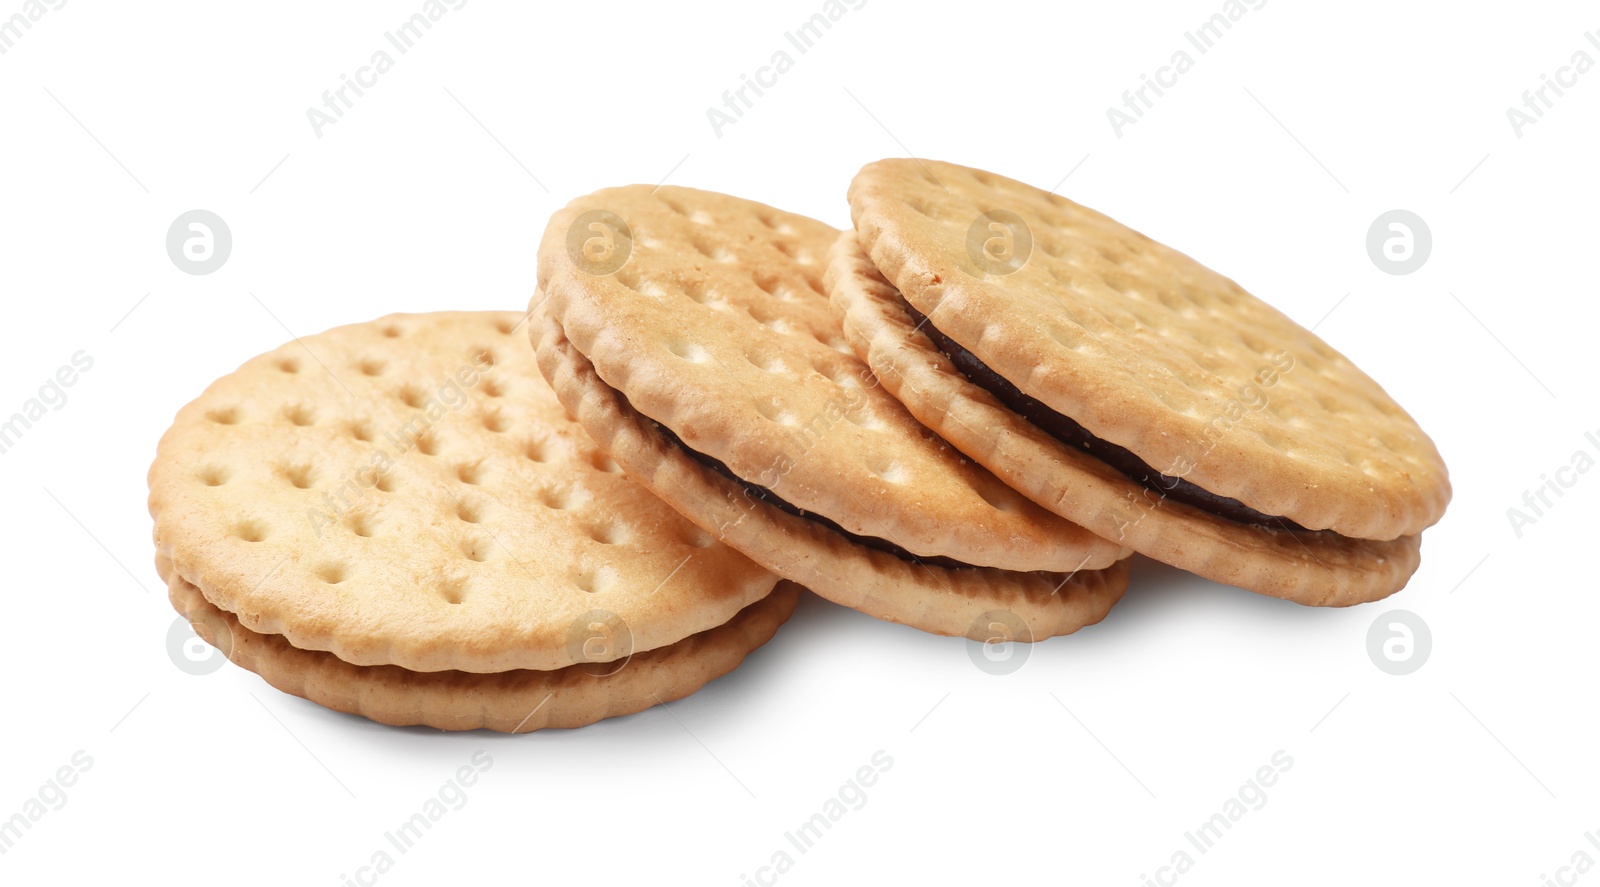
409,492
1148,349
707,313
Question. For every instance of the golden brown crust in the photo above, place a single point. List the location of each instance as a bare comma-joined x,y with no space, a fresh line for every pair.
1318,568
935,599
409,492
1150,350
716,326
518,701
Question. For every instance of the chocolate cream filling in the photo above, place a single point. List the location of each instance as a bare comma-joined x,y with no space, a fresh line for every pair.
1069,432
757,493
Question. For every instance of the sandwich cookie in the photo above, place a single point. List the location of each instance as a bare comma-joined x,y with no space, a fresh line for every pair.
402,499
688,332
1124,385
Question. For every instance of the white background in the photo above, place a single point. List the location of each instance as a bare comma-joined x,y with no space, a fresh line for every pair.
1268,160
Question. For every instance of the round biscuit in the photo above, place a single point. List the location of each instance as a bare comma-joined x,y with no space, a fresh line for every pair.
715,324
1148,349
409,492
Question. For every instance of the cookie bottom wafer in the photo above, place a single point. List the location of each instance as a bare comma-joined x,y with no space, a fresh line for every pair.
516,701
964,601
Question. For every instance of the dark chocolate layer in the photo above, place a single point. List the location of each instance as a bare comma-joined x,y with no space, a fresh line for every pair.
1069,432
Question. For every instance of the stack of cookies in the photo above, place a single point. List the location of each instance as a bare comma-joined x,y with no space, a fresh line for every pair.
963,415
